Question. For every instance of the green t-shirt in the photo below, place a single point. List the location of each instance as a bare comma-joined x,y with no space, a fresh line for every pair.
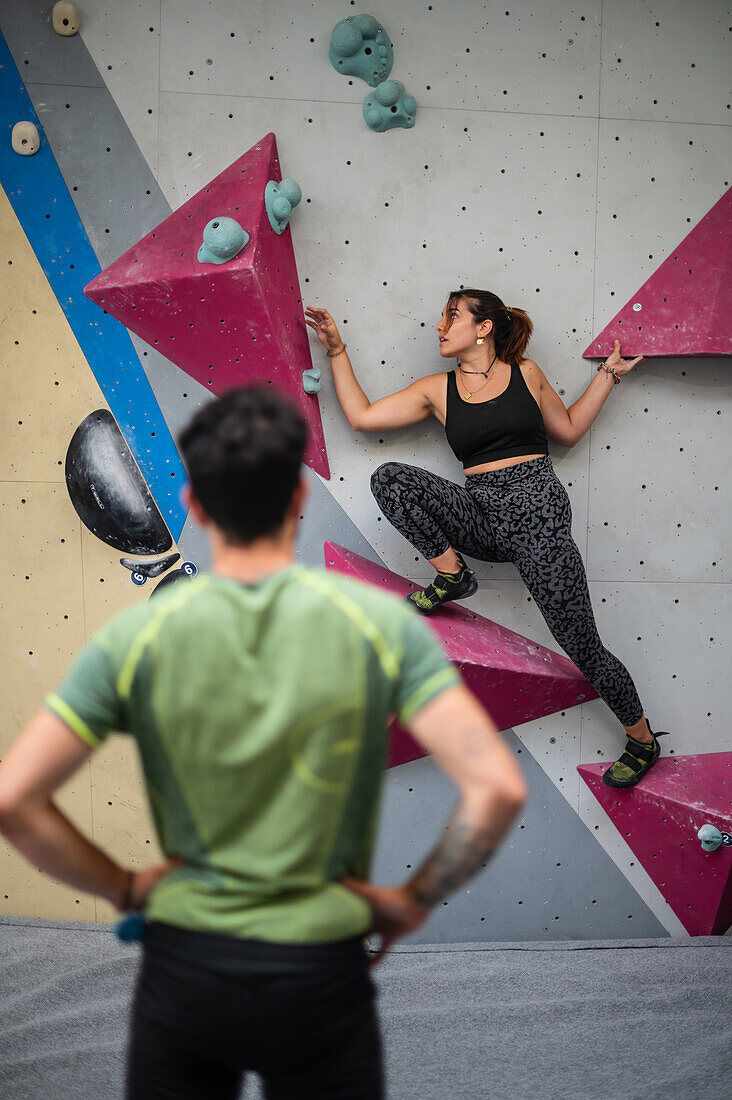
260,715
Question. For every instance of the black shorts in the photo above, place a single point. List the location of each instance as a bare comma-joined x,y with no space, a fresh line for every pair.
208,1008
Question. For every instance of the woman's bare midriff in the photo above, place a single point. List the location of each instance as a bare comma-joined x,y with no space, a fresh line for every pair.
499,464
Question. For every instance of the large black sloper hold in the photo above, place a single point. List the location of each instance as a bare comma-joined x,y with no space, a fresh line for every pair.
108,491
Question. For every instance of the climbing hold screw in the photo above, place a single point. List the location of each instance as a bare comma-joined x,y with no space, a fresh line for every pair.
223,238
279,201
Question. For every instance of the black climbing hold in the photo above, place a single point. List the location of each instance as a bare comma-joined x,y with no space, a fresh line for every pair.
150,568
171,578
108,491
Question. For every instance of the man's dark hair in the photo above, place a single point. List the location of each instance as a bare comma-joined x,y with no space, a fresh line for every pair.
243,453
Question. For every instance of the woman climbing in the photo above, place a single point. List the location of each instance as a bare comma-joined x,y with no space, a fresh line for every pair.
498,409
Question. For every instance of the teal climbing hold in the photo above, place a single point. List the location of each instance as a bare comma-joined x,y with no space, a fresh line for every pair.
389,106
710,838
279,200
359,46
223,238
311,380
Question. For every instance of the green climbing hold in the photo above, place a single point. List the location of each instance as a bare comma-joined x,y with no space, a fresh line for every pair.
359,46
710,838
279,200
311,380
389,106
223,238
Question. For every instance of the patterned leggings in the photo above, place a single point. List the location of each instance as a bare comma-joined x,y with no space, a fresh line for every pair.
520,514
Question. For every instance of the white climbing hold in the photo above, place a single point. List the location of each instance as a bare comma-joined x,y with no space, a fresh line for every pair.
66,19
25,139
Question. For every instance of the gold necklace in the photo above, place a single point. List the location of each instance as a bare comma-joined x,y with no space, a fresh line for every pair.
485,374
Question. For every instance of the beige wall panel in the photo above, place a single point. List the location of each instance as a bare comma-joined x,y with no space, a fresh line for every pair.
47,386
42,605
108,588
24,891
60,582
42,595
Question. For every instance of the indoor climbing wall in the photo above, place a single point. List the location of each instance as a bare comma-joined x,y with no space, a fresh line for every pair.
561,155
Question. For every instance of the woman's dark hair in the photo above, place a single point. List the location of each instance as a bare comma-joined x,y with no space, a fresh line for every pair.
512,328
243,453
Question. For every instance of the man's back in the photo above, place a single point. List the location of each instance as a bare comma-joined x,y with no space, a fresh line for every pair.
259,703
260,713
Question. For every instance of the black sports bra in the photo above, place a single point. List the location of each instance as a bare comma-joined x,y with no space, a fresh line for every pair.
507,426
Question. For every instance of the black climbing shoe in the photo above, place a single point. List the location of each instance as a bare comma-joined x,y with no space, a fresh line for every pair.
445,587
637,758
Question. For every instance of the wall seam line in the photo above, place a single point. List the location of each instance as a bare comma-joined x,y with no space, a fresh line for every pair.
594,298
96,899
160,52
434,107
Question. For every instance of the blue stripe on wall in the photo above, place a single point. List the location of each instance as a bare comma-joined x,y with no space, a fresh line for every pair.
42,203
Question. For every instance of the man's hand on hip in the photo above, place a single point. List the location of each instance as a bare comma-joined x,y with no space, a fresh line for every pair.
395,911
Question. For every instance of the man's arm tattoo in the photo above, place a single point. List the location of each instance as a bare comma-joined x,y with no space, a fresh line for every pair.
459,854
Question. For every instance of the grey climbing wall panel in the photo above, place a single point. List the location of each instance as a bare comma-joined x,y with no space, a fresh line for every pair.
550,880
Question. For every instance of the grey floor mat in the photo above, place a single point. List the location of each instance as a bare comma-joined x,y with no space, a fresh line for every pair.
596,1020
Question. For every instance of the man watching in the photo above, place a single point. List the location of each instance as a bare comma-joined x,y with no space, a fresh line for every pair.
258,696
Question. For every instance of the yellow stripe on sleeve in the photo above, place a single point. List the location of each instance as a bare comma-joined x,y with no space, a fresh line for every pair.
62,710
436,684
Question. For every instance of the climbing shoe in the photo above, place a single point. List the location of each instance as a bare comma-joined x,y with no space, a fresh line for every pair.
637,758
445,587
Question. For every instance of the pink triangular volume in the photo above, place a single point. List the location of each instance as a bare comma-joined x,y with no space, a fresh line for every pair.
516,679
229,324
685,308
660,818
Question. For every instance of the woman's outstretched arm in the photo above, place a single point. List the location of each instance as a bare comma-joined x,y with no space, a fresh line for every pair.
567,426
398,410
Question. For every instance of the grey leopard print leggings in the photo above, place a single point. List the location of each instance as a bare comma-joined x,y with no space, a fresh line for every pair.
519,514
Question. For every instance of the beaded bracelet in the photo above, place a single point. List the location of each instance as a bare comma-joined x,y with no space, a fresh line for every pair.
332,354
610,370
